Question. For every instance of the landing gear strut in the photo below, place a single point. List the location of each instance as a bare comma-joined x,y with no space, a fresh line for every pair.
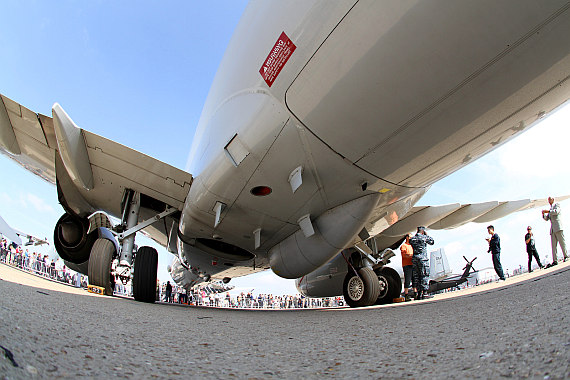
131,210
146,259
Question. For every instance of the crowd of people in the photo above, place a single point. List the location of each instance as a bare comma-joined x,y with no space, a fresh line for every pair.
205,297
44,266
41,265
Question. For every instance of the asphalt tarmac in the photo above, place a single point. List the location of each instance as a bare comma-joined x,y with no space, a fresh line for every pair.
517,329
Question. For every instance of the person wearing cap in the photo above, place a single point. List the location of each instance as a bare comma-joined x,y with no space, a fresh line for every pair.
495,249
531,248
420,262
556,231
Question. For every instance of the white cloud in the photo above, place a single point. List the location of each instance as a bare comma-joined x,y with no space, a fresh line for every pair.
542,152
532,165
5,199
29,200
454,248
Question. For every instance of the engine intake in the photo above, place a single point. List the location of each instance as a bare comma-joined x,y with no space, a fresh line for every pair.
73,241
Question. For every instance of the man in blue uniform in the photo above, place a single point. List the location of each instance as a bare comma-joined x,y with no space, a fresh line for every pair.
420,262
495,249
531,248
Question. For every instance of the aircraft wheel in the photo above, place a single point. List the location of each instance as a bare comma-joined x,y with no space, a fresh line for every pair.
391,278
144,277
384,288
361,290
99,267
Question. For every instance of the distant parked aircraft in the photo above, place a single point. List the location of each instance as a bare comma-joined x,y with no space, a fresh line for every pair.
15,236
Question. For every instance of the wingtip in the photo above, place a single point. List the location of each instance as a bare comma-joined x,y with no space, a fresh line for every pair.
56,107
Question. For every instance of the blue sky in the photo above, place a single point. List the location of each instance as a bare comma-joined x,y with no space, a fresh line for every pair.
140,75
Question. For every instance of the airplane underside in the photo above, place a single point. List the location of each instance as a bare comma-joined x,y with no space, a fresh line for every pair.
315,171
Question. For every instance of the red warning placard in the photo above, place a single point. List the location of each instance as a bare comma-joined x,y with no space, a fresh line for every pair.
277,58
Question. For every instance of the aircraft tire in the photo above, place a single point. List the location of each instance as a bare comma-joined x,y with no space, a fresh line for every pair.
144,277
385,287
361,290
99,267
392,279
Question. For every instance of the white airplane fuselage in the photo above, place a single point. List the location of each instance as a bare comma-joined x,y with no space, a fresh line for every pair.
375,102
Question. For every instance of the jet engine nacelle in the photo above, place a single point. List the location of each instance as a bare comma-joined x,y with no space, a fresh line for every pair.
334,230
73,241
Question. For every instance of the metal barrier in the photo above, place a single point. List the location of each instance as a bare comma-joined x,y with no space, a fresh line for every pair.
40,269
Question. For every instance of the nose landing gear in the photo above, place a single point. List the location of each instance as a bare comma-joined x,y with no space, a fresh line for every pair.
361,289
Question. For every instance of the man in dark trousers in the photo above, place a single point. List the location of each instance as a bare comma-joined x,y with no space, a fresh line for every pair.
531,248
420,262
168,292
495,249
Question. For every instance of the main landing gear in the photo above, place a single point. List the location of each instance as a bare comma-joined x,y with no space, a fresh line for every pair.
144,276
105,253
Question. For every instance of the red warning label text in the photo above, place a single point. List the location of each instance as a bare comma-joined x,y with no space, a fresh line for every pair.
277,58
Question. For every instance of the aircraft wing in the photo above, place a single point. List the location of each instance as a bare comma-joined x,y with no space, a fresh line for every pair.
454,215
92,172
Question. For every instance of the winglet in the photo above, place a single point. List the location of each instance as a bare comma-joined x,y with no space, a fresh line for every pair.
72,148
